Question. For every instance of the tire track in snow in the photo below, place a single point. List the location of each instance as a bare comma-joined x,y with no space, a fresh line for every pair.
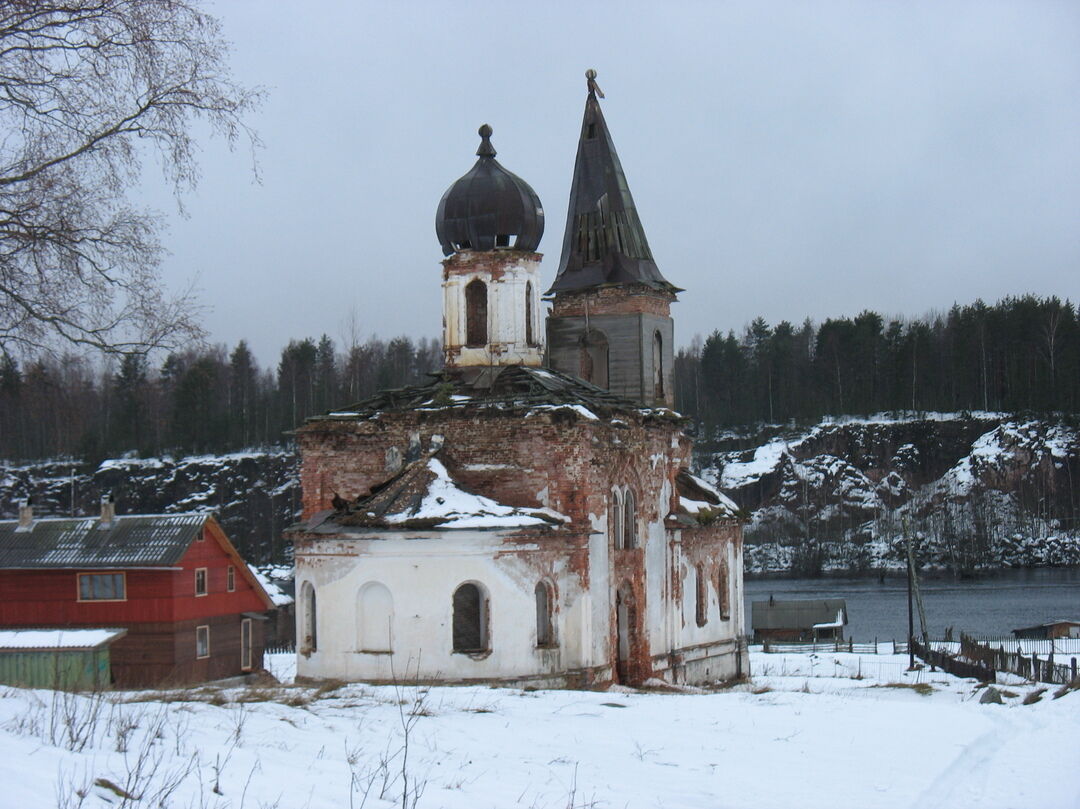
960,784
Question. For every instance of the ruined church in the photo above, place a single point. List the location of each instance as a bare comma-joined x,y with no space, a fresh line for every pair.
527,516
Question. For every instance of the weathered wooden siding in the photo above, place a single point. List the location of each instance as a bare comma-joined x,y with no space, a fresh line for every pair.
51,598
209,553
630,354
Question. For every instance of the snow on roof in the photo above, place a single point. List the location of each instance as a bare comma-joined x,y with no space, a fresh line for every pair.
423,495
702,499
58,638
581,410
725,501
839,622
277,595
449,506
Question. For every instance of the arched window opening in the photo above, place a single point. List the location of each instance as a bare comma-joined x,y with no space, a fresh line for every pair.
723,589
658,365
545,628
309,641
629,521
593,358
530,337
701,604
476,317
375,618
470,619
616,524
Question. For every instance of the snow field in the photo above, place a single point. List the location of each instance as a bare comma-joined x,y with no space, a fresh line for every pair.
802,733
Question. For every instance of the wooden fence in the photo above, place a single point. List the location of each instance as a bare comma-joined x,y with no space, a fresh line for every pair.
1029,667
798,647
955,665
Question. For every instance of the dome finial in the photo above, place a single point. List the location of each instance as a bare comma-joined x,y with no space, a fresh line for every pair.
590,76
486,149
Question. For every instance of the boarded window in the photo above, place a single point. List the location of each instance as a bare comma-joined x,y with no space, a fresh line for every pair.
616,520
200,581
102,587
701,604
593,358
658,366
245,644
723,590
202,641
545,634
476,317
309,640
629,521
375,619
470,619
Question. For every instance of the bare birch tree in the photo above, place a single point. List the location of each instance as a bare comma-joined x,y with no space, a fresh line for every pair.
88,89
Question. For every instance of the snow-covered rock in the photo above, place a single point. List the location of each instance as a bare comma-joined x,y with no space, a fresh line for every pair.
972,490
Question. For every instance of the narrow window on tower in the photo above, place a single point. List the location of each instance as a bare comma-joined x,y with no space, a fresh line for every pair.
530,339
658,366
476,325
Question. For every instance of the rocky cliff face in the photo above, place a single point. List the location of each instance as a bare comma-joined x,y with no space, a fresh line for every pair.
255,494
977,491
972,491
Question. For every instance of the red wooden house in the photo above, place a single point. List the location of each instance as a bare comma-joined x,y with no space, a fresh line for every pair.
192,609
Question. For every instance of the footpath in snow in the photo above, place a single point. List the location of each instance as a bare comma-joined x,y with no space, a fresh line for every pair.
824,730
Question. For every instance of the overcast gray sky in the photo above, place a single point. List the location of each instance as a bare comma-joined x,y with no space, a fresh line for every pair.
787,159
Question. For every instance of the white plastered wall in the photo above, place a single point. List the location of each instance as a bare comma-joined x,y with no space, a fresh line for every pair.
422,571
506,311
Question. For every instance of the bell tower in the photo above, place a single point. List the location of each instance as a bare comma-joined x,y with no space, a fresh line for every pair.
610,322
489,224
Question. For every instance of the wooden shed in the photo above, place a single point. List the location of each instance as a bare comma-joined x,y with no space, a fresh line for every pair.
1052,630
811,619
68,659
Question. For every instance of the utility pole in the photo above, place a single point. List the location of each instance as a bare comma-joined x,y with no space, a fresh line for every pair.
910,619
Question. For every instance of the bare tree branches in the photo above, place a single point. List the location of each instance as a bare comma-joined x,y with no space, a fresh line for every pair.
88,88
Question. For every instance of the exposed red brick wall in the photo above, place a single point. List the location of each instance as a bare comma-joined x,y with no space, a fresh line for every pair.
493,263
510,458
614,300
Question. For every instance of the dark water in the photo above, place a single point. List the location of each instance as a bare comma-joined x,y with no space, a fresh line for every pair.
993,605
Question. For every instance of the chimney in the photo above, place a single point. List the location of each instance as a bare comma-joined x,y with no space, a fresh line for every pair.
108,512
26,515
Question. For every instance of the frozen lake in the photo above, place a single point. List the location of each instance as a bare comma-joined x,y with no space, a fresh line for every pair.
993,605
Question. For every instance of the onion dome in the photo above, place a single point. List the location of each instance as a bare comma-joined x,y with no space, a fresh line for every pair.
489,208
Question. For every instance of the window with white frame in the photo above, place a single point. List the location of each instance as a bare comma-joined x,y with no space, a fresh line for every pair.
200,581
102,587
202,642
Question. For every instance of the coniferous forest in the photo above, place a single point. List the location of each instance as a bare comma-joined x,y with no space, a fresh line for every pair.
209,400
1018,355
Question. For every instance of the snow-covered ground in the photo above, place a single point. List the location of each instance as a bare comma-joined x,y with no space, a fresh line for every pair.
806,732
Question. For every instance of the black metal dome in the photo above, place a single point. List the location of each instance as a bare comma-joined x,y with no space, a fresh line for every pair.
489,208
